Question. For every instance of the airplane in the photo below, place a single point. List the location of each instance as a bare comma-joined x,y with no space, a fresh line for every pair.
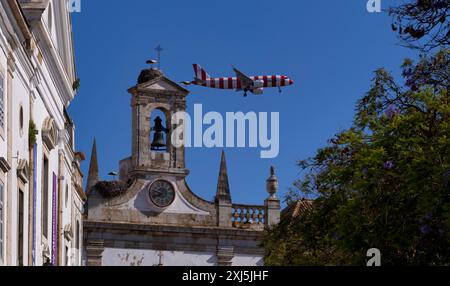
242,82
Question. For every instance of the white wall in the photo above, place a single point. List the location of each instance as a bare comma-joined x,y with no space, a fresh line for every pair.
134,257
3,138
130,257
248,260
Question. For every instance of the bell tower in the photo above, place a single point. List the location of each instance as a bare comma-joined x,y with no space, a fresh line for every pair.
150,216
152,149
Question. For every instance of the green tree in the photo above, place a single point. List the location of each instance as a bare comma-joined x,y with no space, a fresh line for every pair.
384,183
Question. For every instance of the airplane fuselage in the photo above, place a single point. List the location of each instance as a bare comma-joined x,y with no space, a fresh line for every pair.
236,83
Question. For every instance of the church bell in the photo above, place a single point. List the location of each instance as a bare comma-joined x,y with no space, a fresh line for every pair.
159,142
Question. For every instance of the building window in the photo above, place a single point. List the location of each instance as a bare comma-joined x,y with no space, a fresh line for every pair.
44,198
77,243
1,219
20,226
67,196
2,101
77,236
21,118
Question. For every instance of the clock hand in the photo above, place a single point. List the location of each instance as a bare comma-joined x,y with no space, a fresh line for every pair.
158,192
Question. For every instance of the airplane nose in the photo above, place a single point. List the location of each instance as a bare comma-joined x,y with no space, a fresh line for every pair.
291,82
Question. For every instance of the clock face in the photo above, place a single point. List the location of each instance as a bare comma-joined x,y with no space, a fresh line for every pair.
162,194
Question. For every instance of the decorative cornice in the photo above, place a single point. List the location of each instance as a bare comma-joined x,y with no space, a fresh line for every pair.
68,233
171,229
144,171
33,9
77,176
22,171
11,62
167,238
151,77
50,133
20,18
55,63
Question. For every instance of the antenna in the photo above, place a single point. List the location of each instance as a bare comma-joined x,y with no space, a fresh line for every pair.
159,49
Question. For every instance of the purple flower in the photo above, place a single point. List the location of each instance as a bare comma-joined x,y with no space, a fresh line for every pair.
425,229
391,111
337,236
446,179
389,165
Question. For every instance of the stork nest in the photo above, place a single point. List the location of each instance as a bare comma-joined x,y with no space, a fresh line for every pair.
148,75
112,189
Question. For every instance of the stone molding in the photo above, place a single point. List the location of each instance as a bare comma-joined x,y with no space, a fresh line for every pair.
225,255
94,252
50,133
22,171
224,242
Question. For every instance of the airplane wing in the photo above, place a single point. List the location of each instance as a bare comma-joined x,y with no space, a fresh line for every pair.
246,81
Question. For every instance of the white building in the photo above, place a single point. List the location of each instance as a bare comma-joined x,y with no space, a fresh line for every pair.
41,195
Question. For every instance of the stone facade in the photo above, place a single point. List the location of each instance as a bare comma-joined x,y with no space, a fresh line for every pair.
125,225
41,193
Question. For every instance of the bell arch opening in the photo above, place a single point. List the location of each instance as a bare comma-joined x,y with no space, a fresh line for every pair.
159,130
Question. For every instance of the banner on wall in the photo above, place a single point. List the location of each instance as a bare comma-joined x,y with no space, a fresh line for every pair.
33,251
55,221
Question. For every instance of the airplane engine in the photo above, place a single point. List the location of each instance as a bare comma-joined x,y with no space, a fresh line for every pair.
258,84
258,91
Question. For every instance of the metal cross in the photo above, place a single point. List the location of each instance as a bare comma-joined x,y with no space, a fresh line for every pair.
159,49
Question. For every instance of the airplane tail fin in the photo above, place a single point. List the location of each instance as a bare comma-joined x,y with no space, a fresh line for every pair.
200,73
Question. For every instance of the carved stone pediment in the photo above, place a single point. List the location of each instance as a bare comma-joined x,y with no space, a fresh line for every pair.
45,249
153,81
50,133
22,171
4,166
162,86
68,233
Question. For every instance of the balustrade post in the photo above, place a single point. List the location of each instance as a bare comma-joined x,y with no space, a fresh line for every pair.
272,203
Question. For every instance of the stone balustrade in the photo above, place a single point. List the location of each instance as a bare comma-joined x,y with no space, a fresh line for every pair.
246,214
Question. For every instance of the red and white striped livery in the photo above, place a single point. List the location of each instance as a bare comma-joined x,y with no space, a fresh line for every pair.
242,82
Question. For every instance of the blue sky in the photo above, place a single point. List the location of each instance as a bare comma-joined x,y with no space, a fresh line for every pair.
330,48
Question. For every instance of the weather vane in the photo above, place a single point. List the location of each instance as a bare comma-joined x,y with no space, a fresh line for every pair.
159,49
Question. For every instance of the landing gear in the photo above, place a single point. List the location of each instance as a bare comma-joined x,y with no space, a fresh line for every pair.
279,90
245,93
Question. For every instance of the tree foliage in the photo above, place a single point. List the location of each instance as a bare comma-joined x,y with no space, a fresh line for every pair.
383,183
423,24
